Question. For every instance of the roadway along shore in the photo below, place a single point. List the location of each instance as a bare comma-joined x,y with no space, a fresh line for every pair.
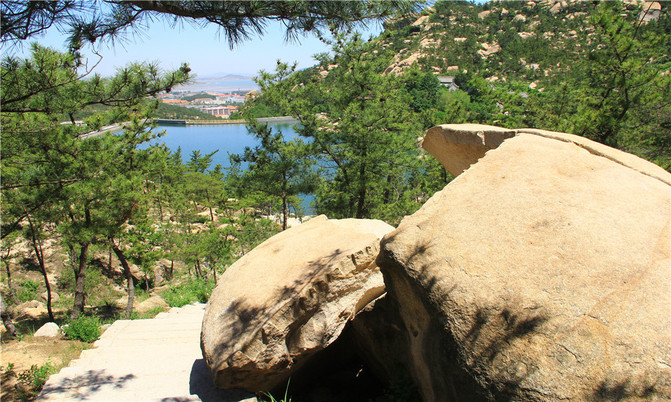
119,126
288,119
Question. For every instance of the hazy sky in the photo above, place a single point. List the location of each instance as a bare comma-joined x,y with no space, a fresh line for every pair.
206,52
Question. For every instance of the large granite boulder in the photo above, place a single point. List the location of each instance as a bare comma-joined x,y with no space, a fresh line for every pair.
288,299
540,273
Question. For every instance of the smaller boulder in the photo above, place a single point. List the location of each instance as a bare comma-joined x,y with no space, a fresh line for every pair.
31,308
54,297
150,304
288,299
458,146
48,330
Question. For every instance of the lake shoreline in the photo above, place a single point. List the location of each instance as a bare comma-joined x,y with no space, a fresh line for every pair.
216,122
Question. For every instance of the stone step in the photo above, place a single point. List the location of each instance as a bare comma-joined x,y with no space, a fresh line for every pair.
108,385
135,352
143,360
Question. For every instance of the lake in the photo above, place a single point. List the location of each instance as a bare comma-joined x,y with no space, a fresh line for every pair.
227,138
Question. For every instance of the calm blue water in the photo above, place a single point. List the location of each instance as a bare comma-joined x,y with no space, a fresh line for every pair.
227,138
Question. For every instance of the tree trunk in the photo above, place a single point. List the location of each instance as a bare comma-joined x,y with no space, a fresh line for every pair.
160,209
209,204
10,285
130,288
285,211
387,192
6,319
109,264
80,276
196,267
39,254
361,197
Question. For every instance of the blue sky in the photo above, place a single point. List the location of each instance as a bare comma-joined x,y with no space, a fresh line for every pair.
206,52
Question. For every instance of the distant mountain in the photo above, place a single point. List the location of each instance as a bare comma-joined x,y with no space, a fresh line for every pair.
226,77
221,82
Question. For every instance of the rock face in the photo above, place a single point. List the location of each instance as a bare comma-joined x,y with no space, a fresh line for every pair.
458,146
288,299
540,273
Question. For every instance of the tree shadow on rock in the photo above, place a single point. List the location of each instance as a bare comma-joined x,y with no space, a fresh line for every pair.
484,363
294,306
251,317
625,389
494,334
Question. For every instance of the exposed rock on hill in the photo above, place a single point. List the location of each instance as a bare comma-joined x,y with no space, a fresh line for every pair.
288,299
540,273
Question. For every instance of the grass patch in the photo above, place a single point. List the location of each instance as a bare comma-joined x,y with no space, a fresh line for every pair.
271,398
148,314
27,291
192,291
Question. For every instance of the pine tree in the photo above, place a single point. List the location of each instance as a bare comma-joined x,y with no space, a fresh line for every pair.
279,168
86,186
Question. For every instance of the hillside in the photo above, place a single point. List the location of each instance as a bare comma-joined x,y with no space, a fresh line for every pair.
502,41
601,71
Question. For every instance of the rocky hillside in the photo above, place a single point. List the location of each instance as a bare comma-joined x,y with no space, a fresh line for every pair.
599,70
530,42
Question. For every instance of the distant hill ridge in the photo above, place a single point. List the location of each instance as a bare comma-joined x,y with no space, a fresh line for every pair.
226,77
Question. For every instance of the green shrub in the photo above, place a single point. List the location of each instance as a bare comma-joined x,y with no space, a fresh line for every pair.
27,291
85,329
189,292
94,278
35,377
96,285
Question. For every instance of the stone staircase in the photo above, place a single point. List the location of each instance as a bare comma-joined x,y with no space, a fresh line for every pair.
143,360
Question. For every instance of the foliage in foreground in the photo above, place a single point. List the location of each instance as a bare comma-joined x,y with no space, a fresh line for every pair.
31,381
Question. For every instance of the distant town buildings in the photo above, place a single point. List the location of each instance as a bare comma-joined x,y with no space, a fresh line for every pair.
220,105
220,111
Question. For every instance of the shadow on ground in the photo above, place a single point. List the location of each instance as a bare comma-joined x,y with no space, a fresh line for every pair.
201,385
